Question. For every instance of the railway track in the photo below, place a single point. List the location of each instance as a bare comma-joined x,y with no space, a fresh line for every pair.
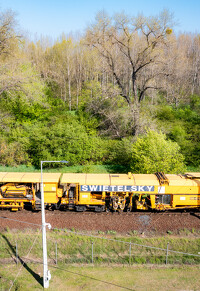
139,213
110,214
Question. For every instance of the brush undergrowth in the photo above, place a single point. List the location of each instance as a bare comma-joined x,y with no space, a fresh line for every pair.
69,247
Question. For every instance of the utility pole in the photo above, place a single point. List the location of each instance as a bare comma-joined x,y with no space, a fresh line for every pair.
46,272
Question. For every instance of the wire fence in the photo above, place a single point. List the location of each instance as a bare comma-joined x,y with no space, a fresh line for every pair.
69,247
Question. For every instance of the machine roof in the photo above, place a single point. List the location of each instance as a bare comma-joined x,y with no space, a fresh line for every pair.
145,179
189,179
97,179
110,179
29,177
180,180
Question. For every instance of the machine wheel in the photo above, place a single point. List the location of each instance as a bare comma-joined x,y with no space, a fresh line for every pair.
80,208
100,208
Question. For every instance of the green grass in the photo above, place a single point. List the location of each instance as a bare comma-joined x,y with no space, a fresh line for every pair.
69,169
21,168
193,169
112,268
101,278
79,169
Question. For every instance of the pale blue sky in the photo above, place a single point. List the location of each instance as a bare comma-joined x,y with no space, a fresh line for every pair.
54,17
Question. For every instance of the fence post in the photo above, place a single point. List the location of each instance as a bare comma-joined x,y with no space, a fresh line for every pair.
130,253
56,253
16,250
92,252
167,252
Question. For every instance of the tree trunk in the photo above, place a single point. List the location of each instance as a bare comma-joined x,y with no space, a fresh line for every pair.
69,88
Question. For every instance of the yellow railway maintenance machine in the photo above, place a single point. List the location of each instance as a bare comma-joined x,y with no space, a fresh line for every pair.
103,191
18,190
169,191
99,192
118,192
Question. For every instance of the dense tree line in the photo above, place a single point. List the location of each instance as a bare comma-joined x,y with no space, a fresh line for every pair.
126,92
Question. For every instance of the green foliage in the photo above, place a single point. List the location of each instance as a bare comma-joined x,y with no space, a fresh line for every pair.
120,151
24,110
165,113
89,122
91,90
12,154
63,138
27,101
153,152
32,132
182,125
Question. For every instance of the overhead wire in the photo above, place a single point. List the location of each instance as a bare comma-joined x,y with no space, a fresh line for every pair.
16,220
24,261
92,278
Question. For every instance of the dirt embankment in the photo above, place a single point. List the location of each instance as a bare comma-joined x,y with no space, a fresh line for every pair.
89,221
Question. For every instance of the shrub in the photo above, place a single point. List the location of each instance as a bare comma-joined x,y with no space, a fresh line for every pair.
12,154
153,152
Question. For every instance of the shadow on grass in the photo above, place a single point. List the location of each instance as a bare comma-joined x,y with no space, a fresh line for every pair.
91,278
35,275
